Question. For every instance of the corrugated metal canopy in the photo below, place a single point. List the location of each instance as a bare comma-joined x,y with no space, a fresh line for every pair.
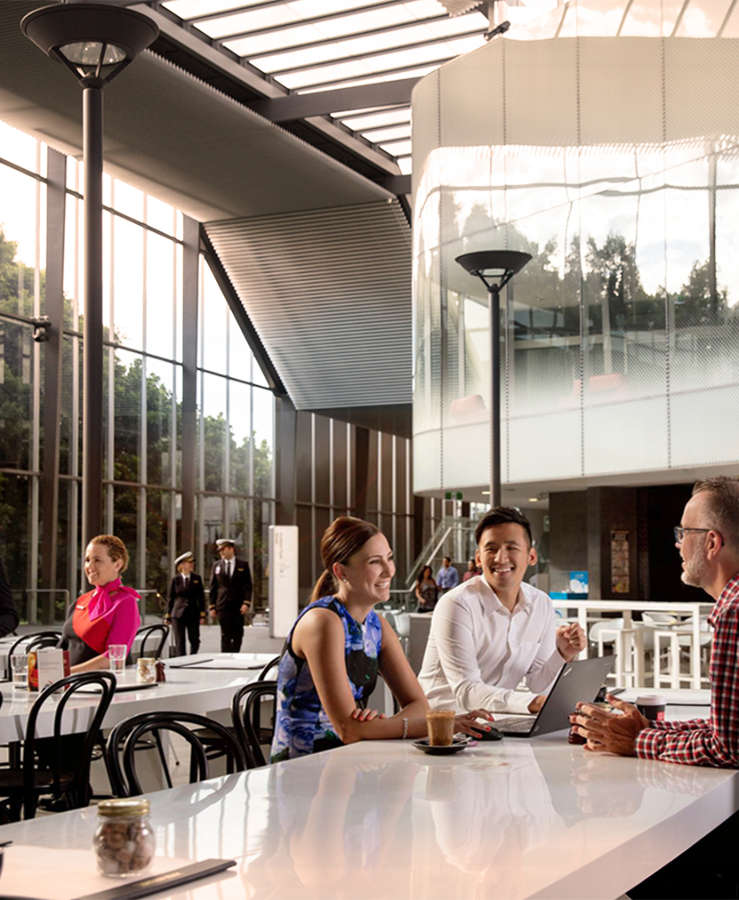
329,293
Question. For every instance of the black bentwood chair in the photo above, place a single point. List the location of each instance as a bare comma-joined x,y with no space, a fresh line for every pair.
272,664
59,766
33,641
122,740
152,636
248,708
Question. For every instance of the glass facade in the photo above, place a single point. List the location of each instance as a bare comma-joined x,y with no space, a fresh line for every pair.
143,394
143,400
235,481
619,340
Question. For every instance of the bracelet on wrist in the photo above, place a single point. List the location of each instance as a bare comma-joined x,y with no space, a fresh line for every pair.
404,735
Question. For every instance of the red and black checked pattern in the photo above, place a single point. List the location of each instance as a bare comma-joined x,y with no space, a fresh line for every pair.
714,741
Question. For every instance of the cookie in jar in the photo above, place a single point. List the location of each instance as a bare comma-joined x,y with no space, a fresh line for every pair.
124,839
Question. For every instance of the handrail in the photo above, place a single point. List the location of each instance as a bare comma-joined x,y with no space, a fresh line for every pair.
448,525
407,596
29,595
628,606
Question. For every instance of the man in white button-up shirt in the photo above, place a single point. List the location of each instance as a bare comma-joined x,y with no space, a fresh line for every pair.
493,631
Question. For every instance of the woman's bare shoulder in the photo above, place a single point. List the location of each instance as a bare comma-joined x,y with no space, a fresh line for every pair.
317,621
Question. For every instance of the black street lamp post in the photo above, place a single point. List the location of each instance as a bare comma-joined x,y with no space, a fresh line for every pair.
95,41
494,268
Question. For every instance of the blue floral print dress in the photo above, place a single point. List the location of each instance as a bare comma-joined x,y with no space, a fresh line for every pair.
301,724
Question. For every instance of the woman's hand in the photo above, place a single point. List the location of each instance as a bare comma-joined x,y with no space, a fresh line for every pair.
366,715
469,725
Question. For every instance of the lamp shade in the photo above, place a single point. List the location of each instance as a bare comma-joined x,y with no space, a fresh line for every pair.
94,40
490,262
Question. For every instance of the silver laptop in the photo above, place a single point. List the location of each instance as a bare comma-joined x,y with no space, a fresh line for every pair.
578,680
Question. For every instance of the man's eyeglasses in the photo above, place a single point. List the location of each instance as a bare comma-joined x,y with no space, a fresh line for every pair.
680,532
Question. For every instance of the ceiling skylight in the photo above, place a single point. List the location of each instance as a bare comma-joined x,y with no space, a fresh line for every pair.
315,45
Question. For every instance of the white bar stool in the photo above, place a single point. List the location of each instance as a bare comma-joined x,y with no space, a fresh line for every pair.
677,634
628,648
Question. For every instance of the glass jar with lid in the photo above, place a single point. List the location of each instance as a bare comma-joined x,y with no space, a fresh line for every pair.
124,839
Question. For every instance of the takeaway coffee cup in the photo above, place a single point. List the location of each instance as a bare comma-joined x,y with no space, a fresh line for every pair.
440,724
651,706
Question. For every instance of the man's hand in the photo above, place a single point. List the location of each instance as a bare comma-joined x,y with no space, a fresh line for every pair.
609,732
244,609
570,641
537,703
212,612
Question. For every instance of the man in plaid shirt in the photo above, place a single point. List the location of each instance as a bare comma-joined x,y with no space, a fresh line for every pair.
708,541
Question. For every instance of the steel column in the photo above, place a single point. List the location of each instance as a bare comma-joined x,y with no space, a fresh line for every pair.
56,165
92,377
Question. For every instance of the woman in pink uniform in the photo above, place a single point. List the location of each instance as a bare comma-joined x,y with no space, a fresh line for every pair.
108,614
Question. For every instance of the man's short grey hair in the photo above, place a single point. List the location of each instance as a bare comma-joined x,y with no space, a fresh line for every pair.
723,506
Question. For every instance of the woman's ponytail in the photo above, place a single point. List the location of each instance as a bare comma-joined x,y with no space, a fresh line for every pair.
324,586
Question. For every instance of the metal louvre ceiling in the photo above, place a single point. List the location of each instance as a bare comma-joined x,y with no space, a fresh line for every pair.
329,292
310,45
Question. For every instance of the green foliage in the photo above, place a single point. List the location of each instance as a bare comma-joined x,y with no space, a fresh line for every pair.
16,382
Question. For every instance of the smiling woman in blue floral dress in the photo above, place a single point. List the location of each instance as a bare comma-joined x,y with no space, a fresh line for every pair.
336,648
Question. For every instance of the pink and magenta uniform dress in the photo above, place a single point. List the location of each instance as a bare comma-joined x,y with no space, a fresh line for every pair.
107,615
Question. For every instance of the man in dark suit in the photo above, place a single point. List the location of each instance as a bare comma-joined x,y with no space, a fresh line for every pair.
230,595
186,610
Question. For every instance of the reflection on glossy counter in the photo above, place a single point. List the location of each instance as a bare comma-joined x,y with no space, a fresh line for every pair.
381,819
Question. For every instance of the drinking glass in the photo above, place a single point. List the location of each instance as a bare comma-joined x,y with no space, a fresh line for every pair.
19,668
117,657
440,723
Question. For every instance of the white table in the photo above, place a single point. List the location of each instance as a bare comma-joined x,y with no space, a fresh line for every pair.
223,662
626,607
512,819
198,691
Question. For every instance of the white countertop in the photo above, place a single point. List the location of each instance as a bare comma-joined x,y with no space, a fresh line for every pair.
511,819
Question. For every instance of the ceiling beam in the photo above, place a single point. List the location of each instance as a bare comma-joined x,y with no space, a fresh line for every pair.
320,103
396,184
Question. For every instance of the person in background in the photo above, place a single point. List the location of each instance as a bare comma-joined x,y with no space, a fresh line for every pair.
337,647
427,591
494,630
8,612
471,571
447,577
108,614
707,540
230,595
186,611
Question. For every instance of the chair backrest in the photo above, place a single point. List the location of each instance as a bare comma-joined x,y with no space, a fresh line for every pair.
608,625
33,641
246,713
660,619
121,746
272,664
153,636
90,730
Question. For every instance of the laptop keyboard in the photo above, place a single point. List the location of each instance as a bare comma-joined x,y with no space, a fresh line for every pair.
521,726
